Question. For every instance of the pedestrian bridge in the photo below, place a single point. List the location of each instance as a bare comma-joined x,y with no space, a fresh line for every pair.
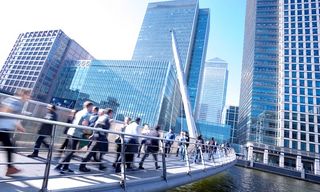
38,173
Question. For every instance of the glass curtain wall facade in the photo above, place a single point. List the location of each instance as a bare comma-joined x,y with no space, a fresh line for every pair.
259,78
191,27
221,133
142,89
291,29
213,91
299,96
198,58
231,119
35,60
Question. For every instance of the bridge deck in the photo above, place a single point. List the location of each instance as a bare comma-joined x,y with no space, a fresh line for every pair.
31,177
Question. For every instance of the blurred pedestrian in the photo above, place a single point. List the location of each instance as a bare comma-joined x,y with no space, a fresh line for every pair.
152,148
45,130
99,140
169,139
118,141
69,120
75,134
9,125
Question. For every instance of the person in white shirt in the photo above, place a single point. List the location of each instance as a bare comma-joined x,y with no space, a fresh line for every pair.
75,134
131,141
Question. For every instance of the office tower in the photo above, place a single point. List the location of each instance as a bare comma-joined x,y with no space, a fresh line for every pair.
280,77
142,89
231,118
191,27
35,60
213,91
299,74
259,79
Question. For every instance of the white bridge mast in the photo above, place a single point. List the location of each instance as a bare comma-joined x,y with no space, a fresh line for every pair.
183,89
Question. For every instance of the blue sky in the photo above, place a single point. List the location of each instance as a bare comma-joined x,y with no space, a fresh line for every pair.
226,39
108,29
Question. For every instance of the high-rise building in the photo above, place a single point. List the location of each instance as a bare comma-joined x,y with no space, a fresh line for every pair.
191,27
213,91
142,89
35,61
299,75
231,118
280,88
259,77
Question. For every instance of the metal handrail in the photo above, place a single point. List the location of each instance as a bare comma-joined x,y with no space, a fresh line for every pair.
123,174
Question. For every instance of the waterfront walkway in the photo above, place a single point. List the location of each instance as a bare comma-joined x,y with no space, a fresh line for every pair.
149,179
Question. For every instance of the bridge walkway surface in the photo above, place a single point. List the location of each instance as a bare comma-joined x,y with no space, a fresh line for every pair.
38,173
149,179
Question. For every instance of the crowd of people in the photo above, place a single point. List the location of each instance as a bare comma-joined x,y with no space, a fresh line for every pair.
97,141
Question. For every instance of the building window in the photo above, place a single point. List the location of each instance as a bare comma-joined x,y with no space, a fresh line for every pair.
311,147
286,143
294,135
294,144
303,136
286,133
303,146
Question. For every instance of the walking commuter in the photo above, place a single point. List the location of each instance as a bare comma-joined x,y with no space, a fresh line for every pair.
69,120
118,141
131,143
182,145
199,147
86,142
145,131
99,138
94,116
45,130
81,118
212,144
169,139
152,147
11,105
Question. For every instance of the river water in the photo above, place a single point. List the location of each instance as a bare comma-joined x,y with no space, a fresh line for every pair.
242,179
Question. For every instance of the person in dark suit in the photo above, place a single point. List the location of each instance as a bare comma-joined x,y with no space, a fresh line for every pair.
69,120
45,130
152,148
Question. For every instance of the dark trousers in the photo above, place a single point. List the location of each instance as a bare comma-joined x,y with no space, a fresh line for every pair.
140,146
167,148
146,155
64,144
130,149
40,140
95,146
5,139
72,145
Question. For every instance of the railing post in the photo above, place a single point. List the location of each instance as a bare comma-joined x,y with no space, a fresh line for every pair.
202,158
164,166
44,187
123,163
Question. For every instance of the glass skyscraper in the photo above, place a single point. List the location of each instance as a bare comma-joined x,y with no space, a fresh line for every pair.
232,120
191,27
299,72
280,91
213,91
259,77
35,61
142,89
